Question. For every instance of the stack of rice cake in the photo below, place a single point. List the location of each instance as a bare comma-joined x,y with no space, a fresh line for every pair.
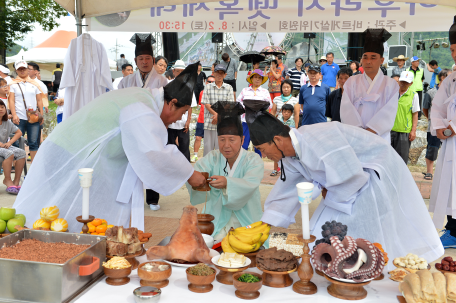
287,242
231,260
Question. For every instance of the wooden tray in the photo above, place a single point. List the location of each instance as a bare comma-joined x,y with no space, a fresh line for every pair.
401,299
412,270
225,275
143,248
347,291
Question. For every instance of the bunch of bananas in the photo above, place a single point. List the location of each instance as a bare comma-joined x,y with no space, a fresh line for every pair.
246,239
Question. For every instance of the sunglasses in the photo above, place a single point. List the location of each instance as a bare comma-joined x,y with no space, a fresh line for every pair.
210,81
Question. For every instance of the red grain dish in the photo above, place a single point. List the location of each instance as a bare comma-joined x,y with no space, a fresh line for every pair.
37,251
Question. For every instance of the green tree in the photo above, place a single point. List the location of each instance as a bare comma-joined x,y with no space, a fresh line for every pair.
18,17
12,51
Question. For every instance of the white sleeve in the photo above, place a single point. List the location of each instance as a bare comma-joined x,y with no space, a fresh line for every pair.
383,120
160,167
415,104
439,108
348,112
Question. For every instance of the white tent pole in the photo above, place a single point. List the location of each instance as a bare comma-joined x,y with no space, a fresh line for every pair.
77,16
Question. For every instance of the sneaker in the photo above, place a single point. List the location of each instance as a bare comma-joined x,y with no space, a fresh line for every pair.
194,159
154,206
448,240
29,158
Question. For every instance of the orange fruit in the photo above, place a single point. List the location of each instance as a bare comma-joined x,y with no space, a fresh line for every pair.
92,228
104,222
110,225
100,229
94,233
101,234
96,222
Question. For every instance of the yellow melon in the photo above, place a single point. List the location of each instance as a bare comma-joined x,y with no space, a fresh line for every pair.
49,213
59,225
41,223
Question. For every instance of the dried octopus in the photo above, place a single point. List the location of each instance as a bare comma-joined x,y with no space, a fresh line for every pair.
356,260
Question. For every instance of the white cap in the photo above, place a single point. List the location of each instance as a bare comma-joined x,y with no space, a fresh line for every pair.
20,63
179,64
406,76
323,58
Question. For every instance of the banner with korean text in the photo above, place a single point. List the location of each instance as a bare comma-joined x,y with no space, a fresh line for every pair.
281,16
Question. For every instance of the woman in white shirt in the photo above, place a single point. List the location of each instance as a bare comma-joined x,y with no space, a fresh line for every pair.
24,87
285,98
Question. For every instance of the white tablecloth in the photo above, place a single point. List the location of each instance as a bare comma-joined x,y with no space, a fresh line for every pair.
384,291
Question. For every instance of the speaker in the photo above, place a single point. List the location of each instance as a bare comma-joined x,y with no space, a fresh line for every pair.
217,37
171,46
310,35
395,51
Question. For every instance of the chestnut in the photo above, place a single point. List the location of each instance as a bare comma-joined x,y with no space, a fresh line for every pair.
438,266
446,267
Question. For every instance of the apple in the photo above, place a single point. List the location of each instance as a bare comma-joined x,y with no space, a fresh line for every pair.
13,222
2,226
20,216
7,213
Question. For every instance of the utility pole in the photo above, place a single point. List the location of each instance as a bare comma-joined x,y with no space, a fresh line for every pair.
115,49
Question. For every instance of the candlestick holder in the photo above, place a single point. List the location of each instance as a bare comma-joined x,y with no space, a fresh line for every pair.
85,228
305,271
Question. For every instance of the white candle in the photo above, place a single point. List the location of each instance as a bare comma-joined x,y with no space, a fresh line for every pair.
85,179
305,190
85,203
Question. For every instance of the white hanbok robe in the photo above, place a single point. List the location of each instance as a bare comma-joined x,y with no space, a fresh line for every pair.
154,80
370,103
443,193
86,74
386,208
121,136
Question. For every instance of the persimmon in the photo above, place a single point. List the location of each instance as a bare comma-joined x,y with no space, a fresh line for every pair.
100,229
92,228
96,222
94,234
101,234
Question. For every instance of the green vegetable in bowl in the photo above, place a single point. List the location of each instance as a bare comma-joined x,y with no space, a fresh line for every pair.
249,278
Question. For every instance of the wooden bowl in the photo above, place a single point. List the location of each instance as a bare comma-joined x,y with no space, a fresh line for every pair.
157,279
117,276
446,271
143,248
200,284
277,279
347,291
131,258
205,224
252,256
244,290
226,275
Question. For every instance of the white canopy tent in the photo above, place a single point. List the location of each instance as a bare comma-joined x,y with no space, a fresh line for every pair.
48,53
90,8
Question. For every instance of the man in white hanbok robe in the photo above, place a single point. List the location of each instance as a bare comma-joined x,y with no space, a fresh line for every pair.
86,74
443,115
123,137
370,100
368,186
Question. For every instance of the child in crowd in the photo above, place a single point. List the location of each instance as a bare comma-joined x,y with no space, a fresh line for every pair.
10,153
287,113
4,89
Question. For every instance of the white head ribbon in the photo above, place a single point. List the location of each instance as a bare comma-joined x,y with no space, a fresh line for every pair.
4,70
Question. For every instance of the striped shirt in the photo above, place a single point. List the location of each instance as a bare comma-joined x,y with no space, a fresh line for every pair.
295,77
212,94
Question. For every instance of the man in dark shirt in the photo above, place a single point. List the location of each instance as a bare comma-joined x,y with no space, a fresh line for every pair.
56,76
333,103
313,97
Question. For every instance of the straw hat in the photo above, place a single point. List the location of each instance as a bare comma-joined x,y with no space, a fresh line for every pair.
257,72
400,57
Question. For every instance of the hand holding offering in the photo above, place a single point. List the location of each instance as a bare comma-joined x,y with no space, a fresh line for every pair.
218,182
197,179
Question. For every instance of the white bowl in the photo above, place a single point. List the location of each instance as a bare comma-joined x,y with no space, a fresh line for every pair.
209,240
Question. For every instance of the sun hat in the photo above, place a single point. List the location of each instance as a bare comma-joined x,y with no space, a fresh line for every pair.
257,72
400,57
323,58
220,67
406,76
179,64
20,63
414,58
315,68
